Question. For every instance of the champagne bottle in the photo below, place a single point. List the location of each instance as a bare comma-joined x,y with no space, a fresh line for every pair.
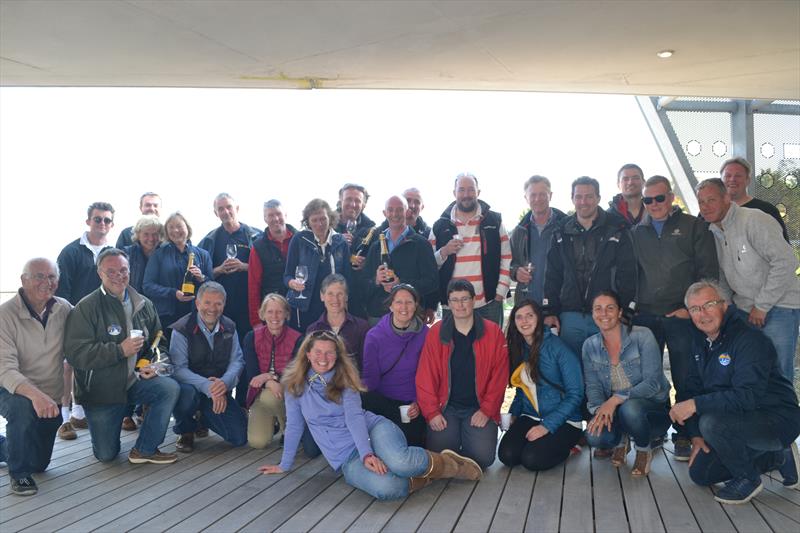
154,352
386,259
188,285
363,246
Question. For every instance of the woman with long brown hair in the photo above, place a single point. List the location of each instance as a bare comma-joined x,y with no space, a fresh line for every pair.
546,409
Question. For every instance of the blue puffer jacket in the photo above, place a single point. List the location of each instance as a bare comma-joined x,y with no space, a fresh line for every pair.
560,366
640,359
303,250
164,275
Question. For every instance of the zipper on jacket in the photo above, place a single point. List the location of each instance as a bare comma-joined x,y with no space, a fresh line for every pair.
89,380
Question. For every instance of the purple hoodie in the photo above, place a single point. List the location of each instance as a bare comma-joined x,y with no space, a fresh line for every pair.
382,348
337,428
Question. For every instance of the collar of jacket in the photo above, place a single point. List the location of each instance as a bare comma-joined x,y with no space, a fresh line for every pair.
728,320
449,209
137,300
647,220
555,216
449,325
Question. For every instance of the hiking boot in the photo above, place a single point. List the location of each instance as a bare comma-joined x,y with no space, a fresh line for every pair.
79,423
185,443
641,466
24,486
128,424
739,490
790,469
683,449
67,432
157,457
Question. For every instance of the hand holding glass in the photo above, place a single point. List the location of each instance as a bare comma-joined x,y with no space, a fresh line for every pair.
300,276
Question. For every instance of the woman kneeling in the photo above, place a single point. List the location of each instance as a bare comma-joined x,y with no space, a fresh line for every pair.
323,391
546,408
625,387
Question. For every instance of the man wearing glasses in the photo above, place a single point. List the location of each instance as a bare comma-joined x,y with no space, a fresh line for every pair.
31,373
757,268
673,250
76,262
105,333
738,408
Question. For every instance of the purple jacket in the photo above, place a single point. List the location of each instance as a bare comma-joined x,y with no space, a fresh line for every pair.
390,360
352,333
339,429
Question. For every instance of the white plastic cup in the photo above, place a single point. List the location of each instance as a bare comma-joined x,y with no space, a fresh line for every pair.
505,421
404,414
136,333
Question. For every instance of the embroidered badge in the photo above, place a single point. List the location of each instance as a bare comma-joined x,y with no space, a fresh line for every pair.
114,329
724,359
676,231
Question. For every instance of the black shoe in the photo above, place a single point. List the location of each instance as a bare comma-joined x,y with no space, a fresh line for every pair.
24,486
790,469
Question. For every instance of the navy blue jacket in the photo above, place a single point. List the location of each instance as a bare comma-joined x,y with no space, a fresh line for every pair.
737,373
137,263
303,250
78,272
164,275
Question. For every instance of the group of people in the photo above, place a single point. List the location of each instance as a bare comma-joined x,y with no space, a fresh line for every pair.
327,336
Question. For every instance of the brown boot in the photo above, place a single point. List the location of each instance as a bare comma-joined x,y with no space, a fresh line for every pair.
446,465
467,468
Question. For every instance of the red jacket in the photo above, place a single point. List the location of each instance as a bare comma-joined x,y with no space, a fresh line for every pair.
491,368
258,346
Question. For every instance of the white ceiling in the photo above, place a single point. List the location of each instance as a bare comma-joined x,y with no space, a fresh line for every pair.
736,49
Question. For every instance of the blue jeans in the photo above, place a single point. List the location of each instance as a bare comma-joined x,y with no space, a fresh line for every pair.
479,444
742,445
105,420
576,328
642,420
676,334
310,447
781,327
231,424
403,462
30,439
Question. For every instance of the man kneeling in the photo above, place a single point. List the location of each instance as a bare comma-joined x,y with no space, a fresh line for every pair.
739,409
208,360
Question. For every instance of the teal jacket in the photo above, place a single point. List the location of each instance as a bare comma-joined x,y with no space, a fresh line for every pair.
94,330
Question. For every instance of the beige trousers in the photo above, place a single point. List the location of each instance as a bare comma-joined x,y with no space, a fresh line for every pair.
261,424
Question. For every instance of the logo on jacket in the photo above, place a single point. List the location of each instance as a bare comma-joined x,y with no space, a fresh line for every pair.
724,359
697,357
676,232
114,329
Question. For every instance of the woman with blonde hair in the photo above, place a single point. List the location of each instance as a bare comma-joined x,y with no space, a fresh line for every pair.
267,351
322,391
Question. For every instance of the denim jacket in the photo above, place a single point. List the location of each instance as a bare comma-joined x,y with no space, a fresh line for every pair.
639,357
560,366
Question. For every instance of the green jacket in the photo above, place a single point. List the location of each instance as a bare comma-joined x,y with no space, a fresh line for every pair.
94,330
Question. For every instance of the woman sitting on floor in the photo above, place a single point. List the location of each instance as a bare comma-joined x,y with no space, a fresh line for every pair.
546,409
625,387
323,391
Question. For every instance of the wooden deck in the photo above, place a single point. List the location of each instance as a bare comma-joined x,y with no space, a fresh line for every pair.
218,488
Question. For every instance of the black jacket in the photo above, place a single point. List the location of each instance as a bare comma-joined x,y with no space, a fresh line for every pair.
489,229
737,373
78,272
357,301
608,263
413,263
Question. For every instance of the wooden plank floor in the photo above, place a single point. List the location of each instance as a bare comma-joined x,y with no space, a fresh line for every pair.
218,488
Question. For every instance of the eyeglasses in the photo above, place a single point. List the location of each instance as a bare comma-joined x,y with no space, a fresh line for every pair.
657,199
121,273
705,307
462,300
52,278
103,220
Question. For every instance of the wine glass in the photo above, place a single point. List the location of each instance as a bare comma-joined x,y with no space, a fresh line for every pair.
300,276
231,251
350,226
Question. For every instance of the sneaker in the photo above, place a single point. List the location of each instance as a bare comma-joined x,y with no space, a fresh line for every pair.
24,486
157,457
683,449
185,443
79,423
790,469
67,432
739,490
128,424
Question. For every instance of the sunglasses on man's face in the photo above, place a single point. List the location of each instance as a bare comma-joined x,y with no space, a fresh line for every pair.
657,199
103,220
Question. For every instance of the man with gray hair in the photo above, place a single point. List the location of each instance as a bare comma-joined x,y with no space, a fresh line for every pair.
208,361
738,408
31,372
757,267
736,174
149,204
268,259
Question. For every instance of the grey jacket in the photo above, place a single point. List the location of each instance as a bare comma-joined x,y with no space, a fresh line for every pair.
520,255
668,264
756,265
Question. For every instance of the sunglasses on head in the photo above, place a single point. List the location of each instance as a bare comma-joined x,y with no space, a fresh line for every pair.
104,220
324,334
650,199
